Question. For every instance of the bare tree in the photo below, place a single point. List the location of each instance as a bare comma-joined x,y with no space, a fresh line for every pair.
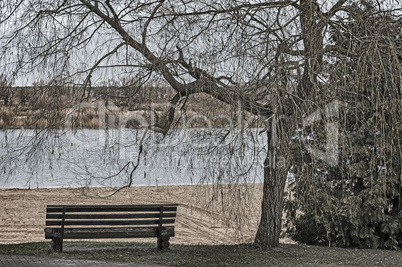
272,57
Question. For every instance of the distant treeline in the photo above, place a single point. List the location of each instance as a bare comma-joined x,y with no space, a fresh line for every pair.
29,95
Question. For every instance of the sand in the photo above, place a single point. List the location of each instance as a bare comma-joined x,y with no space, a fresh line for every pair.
207,214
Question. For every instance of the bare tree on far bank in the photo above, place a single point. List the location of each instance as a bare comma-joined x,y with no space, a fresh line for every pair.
275,60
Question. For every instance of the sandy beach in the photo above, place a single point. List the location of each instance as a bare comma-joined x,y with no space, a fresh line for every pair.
207,214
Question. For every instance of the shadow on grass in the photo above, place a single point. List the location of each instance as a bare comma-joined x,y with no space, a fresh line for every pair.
233,255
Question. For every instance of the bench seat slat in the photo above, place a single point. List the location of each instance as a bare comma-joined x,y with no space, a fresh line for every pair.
110,216
110,208
109,222
114,206
99,233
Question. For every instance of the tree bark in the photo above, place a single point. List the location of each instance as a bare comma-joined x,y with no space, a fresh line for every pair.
275,173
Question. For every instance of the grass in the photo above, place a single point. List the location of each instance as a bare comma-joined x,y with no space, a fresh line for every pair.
233,255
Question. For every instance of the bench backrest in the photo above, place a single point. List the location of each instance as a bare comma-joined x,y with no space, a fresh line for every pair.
152,219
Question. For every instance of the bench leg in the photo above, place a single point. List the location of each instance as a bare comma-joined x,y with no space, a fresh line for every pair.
56,243
163,243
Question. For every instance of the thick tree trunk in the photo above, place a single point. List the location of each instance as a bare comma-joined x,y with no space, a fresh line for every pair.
270,226
275,173
269,229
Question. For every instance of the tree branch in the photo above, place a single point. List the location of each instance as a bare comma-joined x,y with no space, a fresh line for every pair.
144,32
130,181
334,8
204,81
92,69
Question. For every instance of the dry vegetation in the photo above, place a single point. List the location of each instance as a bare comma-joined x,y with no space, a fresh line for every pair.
39,107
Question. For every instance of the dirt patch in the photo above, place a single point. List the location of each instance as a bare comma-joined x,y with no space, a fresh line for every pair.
207,214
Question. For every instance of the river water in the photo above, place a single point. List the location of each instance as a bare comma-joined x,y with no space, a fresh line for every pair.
106,157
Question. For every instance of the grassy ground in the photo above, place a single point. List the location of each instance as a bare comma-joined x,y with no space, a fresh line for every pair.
237,255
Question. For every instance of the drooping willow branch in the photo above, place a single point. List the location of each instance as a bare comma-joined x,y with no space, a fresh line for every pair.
134,167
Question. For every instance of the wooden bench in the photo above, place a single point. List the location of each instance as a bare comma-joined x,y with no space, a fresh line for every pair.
110,221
